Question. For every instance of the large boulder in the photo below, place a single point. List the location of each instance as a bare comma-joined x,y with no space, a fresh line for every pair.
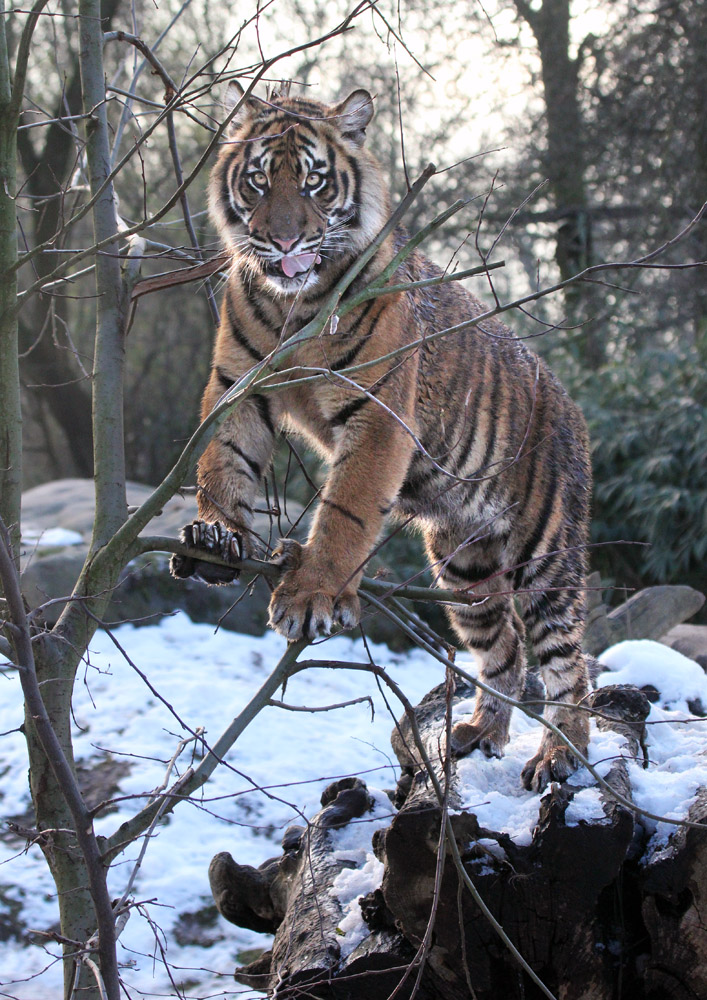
690,640
57,521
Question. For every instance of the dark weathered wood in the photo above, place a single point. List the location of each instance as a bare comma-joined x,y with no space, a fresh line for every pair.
674,905
291,897
592,919
545,895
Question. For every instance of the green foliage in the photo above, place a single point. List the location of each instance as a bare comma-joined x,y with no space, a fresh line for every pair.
648,424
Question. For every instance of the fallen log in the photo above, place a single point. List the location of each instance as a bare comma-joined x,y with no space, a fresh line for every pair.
591,907
295,896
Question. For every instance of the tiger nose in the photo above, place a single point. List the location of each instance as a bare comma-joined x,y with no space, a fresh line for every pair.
284,245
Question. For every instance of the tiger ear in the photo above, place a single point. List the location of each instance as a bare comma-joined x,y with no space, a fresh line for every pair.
234,94
353,115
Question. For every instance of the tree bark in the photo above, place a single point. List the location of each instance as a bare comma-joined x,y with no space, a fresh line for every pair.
565,157
80,879
11,426
52,376
111,313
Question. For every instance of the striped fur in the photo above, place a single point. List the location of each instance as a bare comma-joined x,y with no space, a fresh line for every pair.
500,488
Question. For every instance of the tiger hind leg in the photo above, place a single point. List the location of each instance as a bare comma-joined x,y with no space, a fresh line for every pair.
491,629
554,619
495,636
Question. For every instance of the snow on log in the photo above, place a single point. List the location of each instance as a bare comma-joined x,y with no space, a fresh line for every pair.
596,897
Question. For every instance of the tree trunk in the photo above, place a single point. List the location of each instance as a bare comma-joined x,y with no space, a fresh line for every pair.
64,859
11,436
54,382
565,161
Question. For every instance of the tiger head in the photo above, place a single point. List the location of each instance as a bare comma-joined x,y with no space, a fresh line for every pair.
294,192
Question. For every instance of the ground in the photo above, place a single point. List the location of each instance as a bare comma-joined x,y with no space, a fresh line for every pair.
206,677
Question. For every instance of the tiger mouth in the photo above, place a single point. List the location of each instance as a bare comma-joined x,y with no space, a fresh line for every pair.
293,266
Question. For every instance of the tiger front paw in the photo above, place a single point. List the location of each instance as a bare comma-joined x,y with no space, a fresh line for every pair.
299,606
216,539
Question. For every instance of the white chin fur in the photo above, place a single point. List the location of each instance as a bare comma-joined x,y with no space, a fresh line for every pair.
290,286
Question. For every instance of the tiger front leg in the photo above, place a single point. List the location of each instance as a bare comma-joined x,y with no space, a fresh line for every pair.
229,472
318,588
309,600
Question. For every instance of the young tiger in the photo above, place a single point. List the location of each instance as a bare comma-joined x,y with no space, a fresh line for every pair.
500,487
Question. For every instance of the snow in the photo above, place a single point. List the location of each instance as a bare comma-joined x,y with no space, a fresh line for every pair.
352,844
206,677
586,806
50,537
642,662
491,789
274,776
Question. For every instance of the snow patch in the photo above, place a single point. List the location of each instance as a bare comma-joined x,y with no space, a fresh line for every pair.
207,677
50,537
491,789
643,662
585,807
348,887
352,843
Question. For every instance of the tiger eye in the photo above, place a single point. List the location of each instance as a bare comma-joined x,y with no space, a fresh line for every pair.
313,179
259,178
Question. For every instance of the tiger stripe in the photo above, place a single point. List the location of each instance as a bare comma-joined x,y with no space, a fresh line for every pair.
500,488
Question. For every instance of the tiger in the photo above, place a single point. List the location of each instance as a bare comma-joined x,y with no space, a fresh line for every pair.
468,437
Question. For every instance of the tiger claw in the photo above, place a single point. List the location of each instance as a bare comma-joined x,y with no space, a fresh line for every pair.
347,610
296,615
555,764
287,554
303,618
216,539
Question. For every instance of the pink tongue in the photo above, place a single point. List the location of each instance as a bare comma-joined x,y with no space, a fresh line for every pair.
301,262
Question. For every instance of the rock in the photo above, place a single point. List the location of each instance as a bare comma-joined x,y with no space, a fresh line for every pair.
649,614
145,588
69,503
12,927
690,640
200,927
99,781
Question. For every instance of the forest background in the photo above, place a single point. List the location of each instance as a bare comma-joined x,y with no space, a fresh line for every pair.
582,136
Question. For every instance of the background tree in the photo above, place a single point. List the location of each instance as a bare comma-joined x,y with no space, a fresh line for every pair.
619,136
